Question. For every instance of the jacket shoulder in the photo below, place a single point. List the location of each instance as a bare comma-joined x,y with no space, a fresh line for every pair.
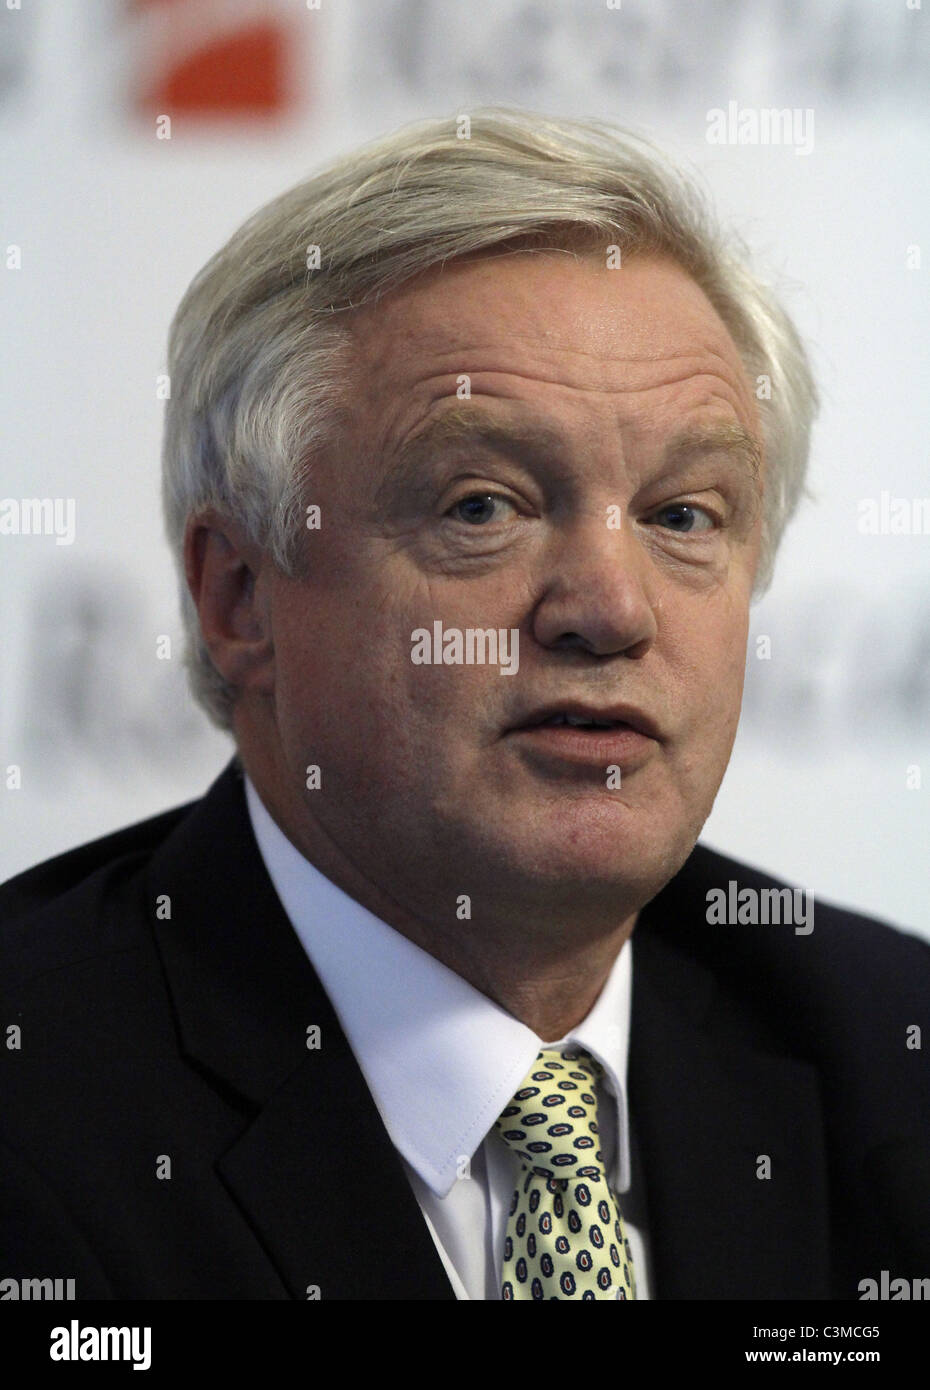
92,900
79,956
827,971
708,870
40,885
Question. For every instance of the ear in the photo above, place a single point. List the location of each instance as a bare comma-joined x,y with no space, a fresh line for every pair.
227,575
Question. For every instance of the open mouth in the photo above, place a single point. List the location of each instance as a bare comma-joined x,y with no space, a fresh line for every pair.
578,721
586,718
585,739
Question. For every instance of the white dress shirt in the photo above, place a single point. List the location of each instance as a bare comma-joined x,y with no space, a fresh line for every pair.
442,1061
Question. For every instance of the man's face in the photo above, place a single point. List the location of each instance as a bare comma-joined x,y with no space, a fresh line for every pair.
621,544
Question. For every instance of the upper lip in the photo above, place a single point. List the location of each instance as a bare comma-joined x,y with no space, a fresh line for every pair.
620,713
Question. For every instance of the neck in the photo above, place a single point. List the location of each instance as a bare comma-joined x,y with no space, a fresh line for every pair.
546,975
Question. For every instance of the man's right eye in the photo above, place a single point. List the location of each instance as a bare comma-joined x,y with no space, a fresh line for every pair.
477,509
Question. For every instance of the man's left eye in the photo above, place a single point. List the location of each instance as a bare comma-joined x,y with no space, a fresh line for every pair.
479,508
684,518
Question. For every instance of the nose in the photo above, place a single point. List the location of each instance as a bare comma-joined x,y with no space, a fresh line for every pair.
596,597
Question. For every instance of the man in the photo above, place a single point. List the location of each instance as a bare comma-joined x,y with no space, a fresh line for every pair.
478,447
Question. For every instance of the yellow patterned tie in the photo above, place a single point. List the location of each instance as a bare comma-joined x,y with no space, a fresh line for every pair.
565,1236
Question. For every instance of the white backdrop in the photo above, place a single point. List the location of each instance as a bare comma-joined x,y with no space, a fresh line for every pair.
829,785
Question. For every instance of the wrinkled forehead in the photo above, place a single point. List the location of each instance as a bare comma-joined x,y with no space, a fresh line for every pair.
561,329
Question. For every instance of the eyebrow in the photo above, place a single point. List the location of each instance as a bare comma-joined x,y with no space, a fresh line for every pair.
478,427
716,439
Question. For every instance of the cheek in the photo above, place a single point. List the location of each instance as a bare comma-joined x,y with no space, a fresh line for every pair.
724,677
710,664
349,698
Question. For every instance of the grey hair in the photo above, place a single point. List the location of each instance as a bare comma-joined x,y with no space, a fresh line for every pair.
260,363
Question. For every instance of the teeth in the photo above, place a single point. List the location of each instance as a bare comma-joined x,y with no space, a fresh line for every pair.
579,721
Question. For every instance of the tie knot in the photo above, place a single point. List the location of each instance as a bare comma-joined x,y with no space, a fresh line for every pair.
552,1120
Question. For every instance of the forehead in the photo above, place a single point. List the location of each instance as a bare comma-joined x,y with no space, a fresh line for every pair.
637,343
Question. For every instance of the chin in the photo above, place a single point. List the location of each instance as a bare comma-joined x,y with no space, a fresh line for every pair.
575,858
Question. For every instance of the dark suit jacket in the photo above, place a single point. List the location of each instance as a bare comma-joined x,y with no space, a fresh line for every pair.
146,1036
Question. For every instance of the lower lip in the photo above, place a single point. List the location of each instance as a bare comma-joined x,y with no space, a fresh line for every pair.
588,747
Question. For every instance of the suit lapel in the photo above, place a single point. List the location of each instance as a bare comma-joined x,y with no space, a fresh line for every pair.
313,1169
321,1183
707,1108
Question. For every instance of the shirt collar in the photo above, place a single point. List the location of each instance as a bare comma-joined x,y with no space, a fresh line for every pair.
440,1058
